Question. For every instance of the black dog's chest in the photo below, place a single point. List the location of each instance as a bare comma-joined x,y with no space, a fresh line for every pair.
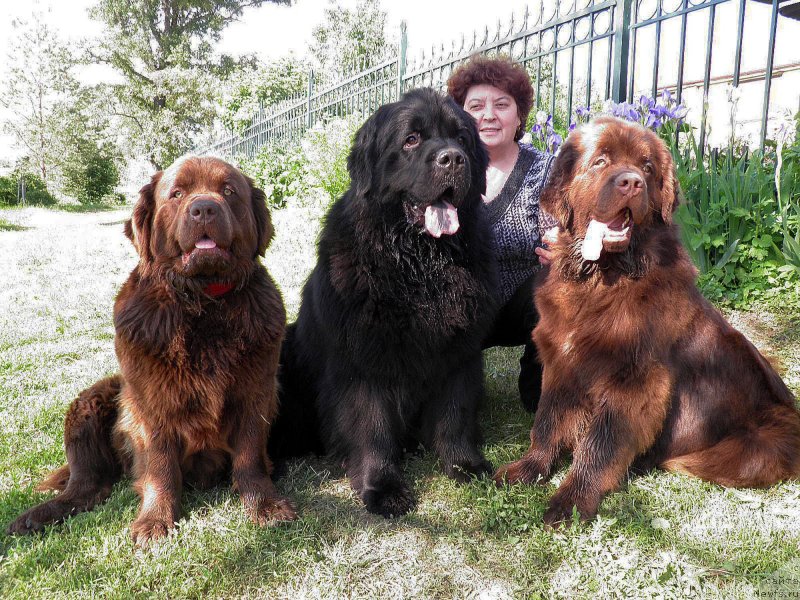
421,289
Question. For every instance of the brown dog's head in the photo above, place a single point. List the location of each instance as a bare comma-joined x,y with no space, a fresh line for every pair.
200,220
611,178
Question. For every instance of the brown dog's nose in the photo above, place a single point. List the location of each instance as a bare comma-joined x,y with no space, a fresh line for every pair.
629,183
203,211
450,158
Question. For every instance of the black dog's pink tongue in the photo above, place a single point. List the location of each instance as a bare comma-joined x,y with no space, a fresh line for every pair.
441,219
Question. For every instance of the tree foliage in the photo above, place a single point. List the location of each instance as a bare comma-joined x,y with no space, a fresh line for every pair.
37,90
348,39
163,50
262,85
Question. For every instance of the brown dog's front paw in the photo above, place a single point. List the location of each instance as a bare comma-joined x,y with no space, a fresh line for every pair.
273,510
562,508
35,519
146,531
519,471
25,524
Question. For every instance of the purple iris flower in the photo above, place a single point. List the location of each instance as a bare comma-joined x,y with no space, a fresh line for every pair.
653,122
646,102
554,142
660,112
626,110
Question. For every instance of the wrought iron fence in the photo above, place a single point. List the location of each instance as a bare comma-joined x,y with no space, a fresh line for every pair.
578,52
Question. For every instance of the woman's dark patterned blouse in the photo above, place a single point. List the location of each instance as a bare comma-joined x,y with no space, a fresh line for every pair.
517,221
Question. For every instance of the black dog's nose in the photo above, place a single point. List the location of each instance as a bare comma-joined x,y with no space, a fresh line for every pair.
629,183
450,157
204,211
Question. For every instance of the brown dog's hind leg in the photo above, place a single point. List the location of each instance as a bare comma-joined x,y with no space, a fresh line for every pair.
767,454
93,466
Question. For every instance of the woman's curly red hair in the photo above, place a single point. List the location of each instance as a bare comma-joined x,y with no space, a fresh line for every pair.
500,72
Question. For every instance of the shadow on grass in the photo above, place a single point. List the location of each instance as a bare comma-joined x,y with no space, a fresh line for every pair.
6,226
87,208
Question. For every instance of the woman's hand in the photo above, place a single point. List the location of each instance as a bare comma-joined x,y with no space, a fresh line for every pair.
545,255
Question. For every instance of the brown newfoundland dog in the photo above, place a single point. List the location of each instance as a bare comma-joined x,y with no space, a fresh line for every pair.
639,369
199,324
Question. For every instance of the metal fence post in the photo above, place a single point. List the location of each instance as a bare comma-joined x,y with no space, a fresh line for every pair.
310,94
622,38
401,58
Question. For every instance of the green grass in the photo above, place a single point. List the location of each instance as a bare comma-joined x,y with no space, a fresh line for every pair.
661,535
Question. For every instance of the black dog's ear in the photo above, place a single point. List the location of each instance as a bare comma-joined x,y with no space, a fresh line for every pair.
139,227
362,158
264,230
554,199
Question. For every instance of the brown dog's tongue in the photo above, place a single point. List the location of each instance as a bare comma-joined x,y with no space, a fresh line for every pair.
593,242
441,219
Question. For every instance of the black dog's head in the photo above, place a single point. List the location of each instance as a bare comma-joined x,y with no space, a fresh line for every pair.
423,156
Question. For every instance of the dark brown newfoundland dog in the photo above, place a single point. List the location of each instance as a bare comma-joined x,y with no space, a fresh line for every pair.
386,351
199,324
639,369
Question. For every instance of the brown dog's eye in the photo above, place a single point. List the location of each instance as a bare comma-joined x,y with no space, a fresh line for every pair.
648,168
412,141
600,162
227,191
177,194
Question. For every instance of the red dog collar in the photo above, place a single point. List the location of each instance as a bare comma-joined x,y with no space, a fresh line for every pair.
215,290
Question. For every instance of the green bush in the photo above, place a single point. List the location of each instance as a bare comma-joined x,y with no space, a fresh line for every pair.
36,193
326,147
90,173
285,171
280,171
742,234
8,190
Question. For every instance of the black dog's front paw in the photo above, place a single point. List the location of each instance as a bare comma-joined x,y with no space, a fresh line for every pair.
388,502
463,472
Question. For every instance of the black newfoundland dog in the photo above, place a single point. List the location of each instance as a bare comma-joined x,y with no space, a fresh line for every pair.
386,350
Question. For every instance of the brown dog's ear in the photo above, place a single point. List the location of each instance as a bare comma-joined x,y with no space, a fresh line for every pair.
264,231
670,191
139,226
554,195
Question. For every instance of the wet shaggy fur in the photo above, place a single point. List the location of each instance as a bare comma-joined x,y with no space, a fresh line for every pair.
199,324
386,350
639,369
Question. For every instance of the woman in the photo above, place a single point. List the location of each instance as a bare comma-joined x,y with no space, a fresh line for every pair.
498,94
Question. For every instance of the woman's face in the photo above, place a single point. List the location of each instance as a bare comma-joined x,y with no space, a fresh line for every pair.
495,112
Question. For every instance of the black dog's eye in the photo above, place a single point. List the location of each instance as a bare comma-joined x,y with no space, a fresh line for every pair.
462,140
412,141
600,162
